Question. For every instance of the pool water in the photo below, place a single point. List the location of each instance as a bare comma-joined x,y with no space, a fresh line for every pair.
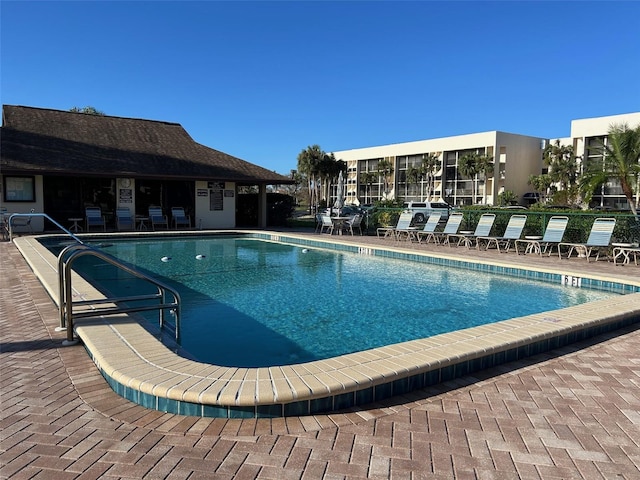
252,303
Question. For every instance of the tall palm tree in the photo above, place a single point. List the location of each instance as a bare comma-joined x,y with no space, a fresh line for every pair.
484,165
414,175
468,167
430,163
385,170
621,163
368,178
308,164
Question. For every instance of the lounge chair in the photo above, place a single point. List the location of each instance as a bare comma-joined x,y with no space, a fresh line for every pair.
354,222
599,240
157,218
94,218
552,237
511,234
124,220
404,222
327,225
483,229
452,226
179,218
429,227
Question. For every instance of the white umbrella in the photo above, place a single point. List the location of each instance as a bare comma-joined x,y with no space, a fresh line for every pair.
340,194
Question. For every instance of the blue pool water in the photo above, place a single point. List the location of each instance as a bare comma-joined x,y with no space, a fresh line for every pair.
251,303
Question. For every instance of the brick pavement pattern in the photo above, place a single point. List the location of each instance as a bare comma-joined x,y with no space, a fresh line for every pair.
571,413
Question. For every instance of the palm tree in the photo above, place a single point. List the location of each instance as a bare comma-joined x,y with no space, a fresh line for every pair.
563,168
385,169
541,184
484,165
468,167
430,163
308,164
368,178
414,175
621,163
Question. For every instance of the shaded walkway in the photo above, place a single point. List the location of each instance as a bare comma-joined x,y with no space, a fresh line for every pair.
572,413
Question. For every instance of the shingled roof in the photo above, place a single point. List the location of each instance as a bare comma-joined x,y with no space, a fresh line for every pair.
44,141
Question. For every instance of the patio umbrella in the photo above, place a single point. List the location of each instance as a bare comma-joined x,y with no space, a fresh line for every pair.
340,194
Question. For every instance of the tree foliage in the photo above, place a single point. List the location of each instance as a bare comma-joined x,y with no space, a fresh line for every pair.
88,110
621,164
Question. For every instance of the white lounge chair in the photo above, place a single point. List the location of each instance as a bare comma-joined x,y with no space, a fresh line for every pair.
403,224
451,227
483,229
429,227
511,233
552,236
599,240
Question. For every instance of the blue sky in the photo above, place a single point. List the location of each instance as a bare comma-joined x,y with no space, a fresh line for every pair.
264,80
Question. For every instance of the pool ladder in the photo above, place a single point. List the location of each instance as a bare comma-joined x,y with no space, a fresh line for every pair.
110,306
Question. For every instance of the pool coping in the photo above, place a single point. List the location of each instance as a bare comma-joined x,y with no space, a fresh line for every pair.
140,368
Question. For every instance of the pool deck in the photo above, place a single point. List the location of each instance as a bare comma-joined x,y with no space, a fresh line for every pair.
568,413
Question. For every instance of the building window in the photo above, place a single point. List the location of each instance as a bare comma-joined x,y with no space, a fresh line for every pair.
19,189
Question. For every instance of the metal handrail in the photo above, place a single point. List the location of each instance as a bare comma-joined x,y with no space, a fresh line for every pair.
41,215
66,304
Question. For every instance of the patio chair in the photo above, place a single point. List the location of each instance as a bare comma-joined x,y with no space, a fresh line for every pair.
429,227
483,229
124,220
552,237
354,222
23,223
599,240
452,226
157,218
403,224
327,225
179,218
511,234
94,218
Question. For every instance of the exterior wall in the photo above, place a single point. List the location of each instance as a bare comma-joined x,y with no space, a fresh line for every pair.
205,216
522,156
517,157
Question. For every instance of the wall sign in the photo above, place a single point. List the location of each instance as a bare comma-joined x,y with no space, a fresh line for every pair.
216,196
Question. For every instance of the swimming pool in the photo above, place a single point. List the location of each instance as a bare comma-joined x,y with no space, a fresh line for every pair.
141,369
248,302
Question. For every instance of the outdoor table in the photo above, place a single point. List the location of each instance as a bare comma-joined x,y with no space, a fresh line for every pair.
338,222
75,227
532,247
142,222
624,251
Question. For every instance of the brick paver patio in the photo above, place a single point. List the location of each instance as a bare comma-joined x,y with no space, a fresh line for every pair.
571,413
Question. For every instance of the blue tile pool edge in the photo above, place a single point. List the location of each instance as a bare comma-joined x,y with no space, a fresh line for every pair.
397,386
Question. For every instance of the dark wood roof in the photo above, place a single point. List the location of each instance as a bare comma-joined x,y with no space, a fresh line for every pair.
44,141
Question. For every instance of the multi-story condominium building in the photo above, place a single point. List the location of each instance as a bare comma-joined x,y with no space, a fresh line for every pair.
587,137
515,157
